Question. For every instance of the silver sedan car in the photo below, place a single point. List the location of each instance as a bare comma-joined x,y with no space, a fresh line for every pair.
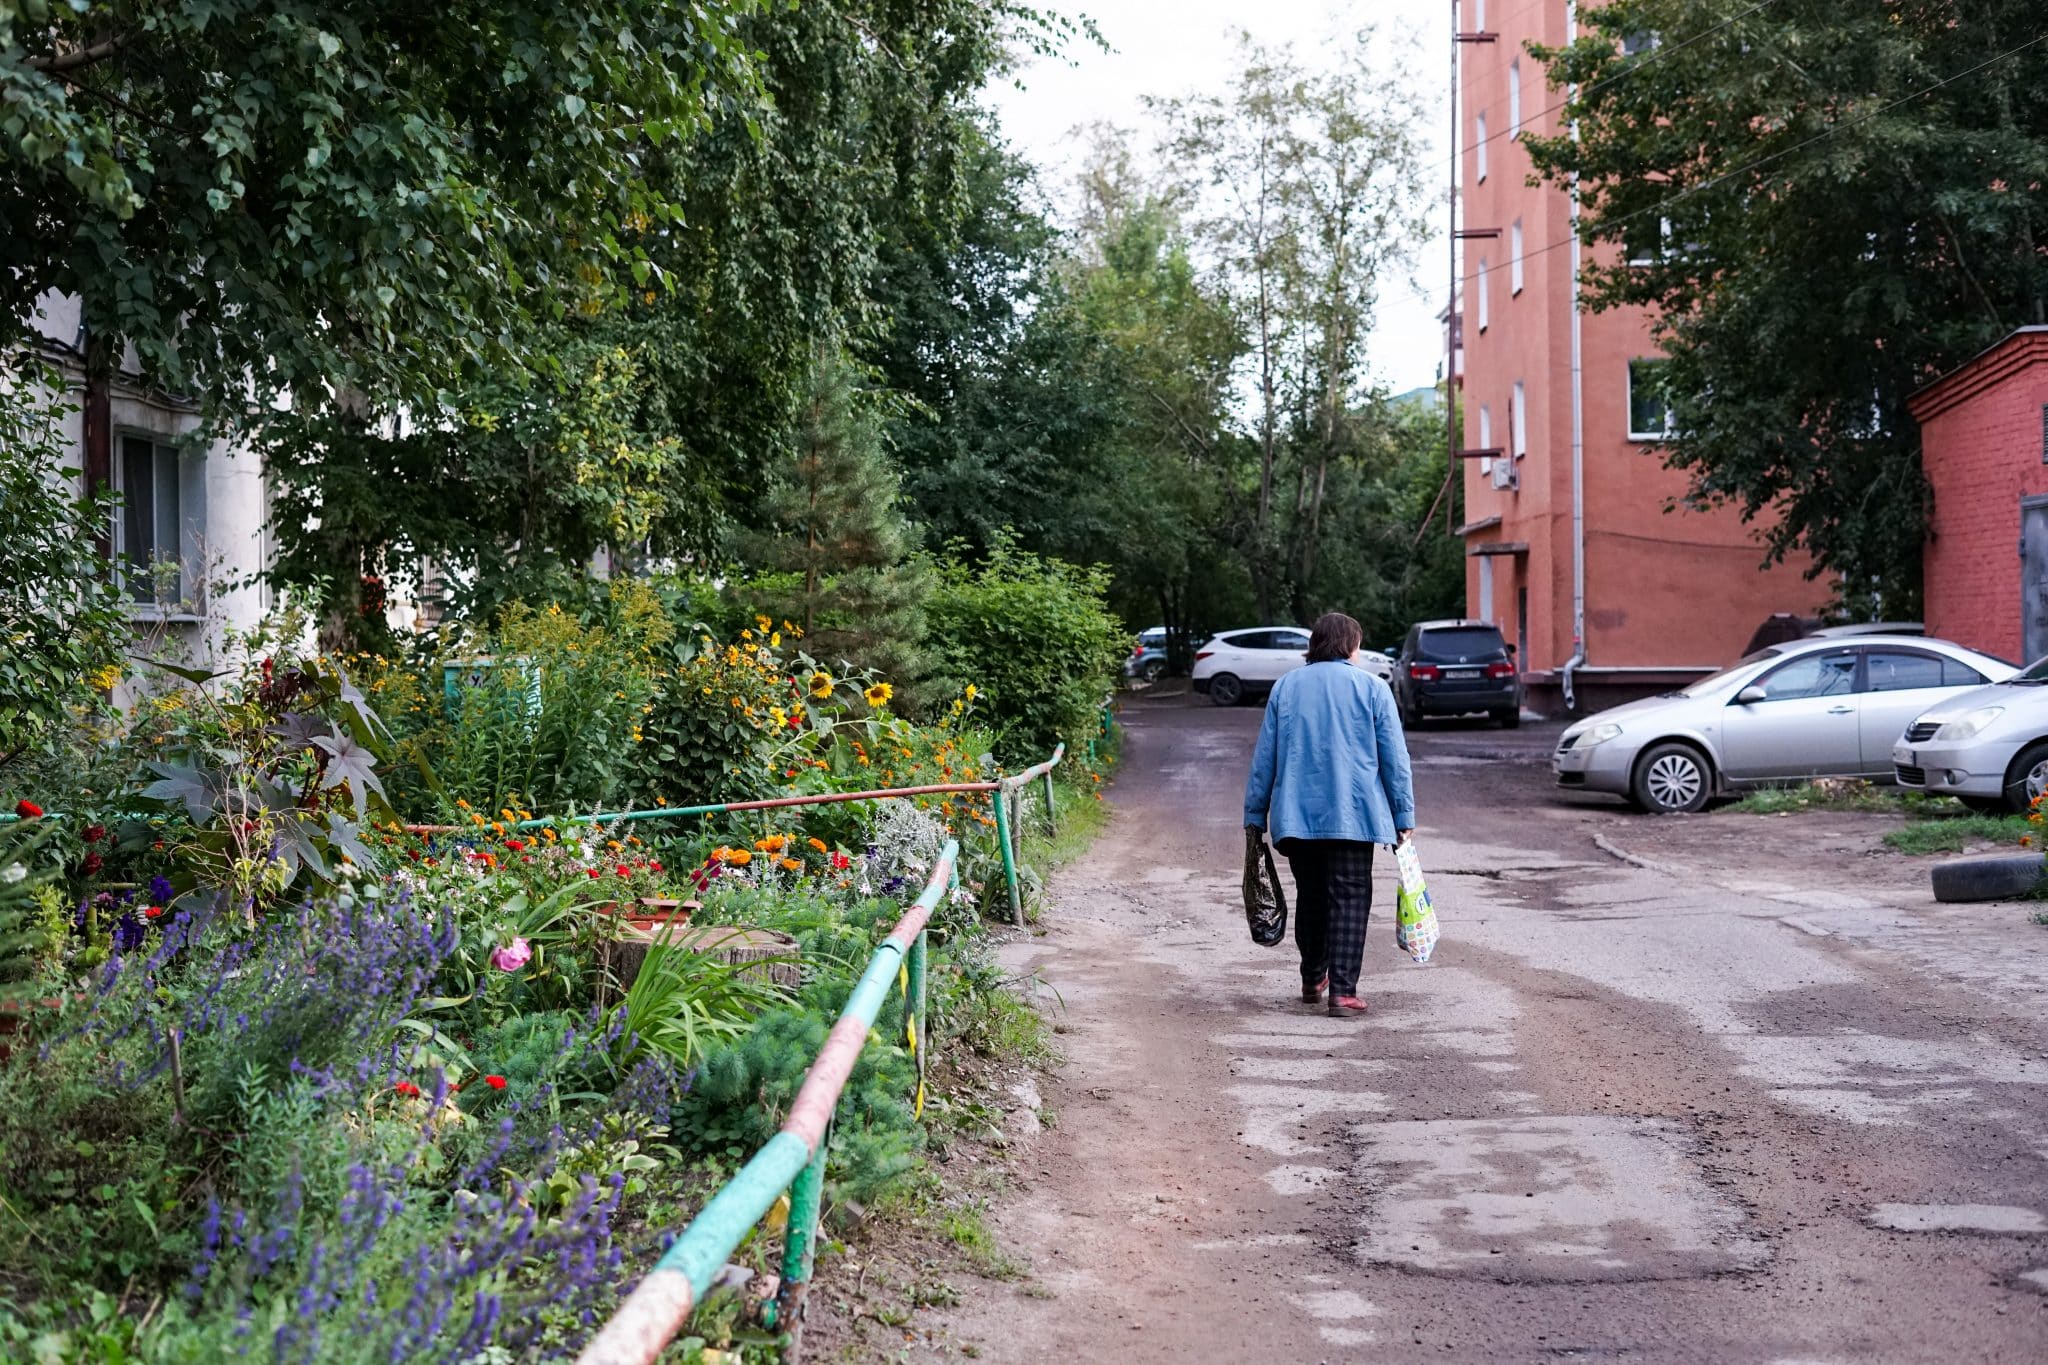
1987,747
1804,709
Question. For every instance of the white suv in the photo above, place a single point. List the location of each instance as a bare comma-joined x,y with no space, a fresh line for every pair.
1246,663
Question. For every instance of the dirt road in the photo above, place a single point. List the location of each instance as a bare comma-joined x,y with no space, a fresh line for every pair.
1769,1108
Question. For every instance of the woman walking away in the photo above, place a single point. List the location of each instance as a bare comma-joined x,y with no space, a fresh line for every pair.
1329,780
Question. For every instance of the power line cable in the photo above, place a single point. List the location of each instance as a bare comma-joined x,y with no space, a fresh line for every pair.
1766,159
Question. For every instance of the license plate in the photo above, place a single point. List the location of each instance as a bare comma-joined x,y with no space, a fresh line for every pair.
1461,673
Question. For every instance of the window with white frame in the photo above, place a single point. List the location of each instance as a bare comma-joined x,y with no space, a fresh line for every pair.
160,502
1515,258
1479,286
1514,99
1479,16
1518,421
1479,146
1639,41
1646,241
1485,438
1649,411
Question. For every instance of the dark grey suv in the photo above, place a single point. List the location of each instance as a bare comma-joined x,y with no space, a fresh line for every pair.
1455,668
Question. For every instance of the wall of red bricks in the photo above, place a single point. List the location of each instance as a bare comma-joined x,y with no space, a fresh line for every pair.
1981,441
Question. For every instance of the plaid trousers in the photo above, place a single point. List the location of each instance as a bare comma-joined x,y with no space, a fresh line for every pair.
1332,901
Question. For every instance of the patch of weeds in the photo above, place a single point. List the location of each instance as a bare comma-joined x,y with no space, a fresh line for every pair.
1953,835
965,1227
1002,1023
1038,1289
1845,794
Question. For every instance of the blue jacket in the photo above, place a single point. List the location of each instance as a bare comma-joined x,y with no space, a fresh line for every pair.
1331,762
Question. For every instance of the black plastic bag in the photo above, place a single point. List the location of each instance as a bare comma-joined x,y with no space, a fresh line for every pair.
1265,905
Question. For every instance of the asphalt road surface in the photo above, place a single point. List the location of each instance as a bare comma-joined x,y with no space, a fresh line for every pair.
1623,1115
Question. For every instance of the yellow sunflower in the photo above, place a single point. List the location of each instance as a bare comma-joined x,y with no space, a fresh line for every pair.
821,684
879,694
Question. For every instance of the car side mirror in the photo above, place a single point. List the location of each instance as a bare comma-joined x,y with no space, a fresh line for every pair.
1511,651
1750,695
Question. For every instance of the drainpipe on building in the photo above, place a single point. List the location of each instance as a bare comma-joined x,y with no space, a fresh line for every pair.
1578,659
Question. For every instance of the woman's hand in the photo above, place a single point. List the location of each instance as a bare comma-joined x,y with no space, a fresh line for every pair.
1402,836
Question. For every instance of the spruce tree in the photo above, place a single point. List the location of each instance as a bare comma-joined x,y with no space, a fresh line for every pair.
834,551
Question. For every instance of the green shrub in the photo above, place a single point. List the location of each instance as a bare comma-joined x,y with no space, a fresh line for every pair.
1036,637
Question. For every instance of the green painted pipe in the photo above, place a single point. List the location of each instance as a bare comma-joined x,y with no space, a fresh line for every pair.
1002,805
800,1249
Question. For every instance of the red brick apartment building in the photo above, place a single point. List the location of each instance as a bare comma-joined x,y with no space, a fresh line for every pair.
1569,548
1984,445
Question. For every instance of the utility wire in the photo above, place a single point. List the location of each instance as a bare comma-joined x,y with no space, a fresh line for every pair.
1767,158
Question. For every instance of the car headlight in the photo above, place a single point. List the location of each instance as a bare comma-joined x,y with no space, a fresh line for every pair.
1971,725
1599,734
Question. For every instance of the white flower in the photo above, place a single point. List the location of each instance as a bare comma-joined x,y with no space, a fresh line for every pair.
13,873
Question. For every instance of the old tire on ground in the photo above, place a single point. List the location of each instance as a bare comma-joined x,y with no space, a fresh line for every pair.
1226,689
2027,778
1672,779
2004,877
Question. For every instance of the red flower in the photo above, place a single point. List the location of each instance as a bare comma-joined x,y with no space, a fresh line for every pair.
515,844
407,1088
153,912
91,864
595,873
495,1082
95,833
624,871
840,862
654,867
28,810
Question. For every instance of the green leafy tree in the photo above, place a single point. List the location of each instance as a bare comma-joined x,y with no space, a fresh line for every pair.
833,540
62,621
273,197
1305,187
1829,204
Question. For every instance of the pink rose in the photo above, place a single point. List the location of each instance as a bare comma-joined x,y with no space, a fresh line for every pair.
512,956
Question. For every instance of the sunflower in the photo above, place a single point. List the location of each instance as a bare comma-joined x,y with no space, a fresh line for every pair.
879,694
821,684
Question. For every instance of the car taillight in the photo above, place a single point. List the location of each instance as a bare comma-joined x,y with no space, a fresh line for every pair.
1424,672
1137,651
1204,654
1503,669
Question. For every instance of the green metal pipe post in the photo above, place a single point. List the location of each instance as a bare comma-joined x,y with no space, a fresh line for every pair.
1052,823
1002,804
800,1250
914,1013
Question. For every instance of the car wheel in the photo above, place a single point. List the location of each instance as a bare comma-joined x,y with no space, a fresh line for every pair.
1672,778
1508,718
1226,689
1410,717
2027,778
1154,670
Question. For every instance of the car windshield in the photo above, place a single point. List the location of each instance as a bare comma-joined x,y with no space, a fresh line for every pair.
1713,682
2033,675
1459,642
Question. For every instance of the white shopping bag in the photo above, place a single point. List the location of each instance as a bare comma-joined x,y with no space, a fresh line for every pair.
1415,928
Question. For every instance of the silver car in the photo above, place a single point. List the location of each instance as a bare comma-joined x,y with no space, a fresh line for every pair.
1804,709
1988,747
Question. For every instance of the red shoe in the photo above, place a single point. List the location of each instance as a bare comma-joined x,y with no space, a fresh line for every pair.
1313,995
1347,1007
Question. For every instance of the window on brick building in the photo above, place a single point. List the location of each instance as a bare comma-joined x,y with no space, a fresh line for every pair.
1518,421
1649,412
1485,437
1514,99
1515,258
1479,285
1479,146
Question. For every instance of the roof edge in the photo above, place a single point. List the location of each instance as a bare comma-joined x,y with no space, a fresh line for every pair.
2013,352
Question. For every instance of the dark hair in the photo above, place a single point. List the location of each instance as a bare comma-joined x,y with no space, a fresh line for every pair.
1334,638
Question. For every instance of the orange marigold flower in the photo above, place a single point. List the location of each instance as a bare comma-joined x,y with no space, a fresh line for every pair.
818,844
791,865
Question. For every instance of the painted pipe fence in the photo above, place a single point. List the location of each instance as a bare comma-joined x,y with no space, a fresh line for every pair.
793,1161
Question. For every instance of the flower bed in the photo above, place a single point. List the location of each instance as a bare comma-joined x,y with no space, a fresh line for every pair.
324,1021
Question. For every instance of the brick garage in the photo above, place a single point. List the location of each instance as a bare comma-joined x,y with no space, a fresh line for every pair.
1984,444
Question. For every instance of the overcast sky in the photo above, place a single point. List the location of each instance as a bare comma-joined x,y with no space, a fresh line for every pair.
1171,47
